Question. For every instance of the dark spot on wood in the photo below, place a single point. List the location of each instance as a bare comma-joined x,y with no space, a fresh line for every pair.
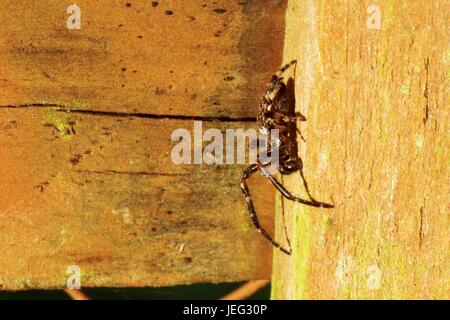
123,86
128,4
169,12
120,25
91,260
41,187
140,37
159,91
213,100
192,18
169,212
123,69
134,71
220,10
188,259
75,159
12,124
194,96
88,152
154,4
228,78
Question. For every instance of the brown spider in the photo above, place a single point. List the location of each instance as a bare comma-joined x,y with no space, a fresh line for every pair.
277,111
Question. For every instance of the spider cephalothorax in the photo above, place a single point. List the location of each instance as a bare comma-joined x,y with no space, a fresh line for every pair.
277,111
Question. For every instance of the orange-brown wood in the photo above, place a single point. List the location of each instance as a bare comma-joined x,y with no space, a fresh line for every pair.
376,102
99,190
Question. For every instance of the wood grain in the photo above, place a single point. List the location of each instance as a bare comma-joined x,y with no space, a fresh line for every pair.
86,118
139,59
377,143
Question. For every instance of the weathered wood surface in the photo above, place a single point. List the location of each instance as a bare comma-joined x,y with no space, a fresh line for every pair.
85,123
377,143
136,58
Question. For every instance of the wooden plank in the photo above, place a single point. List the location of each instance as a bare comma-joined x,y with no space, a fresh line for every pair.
376,101
137,58
86,176
109,199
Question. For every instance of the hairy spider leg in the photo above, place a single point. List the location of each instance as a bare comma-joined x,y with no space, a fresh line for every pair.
284,223
278,76
289,195
285,67
251,208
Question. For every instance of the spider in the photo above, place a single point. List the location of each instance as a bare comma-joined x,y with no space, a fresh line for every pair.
277,111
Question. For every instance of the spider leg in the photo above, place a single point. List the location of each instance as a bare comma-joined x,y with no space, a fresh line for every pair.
285,67
300,134
305,184
299,116
277,77
284,223
251,208
290,196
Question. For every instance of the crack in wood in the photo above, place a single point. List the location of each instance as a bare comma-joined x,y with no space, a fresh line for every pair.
425,93
63,108
161,116
421,235
134,173
32,105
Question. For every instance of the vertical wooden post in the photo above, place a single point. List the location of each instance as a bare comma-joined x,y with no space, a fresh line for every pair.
372,80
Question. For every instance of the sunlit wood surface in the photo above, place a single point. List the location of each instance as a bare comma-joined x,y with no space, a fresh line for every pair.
377,142
86,118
